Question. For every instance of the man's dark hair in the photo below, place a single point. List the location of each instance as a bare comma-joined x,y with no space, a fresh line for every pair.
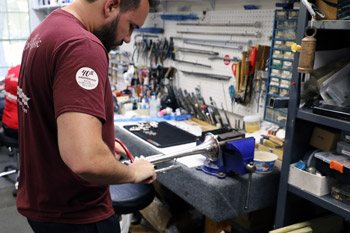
126,5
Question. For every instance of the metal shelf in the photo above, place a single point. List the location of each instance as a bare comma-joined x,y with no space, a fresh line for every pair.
308,115
283,110
326,201
332,24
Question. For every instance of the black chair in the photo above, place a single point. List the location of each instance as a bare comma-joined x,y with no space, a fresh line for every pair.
12,145
130,198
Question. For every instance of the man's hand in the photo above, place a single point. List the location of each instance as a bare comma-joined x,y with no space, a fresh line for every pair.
144,171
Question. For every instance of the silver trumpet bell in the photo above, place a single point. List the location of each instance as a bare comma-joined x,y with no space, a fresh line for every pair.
210,148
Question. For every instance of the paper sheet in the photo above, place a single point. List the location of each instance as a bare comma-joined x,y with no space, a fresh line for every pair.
192,160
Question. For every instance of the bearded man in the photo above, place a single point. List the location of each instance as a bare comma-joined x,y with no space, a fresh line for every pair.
68,155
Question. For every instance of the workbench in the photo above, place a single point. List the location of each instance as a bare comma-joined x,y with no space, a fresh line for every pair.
220,200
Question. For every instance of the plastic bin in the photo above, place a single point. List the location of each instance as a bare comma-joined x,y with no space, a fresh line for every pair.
334,165
318,185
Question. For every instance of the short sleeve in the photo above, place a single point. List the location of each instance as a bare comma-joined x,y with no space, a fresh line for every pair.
79,79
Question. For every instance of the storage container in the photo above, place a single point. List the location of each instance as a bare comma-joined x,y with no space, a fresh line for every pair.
343,148
251,123
315,184
341,192
334,165
264,161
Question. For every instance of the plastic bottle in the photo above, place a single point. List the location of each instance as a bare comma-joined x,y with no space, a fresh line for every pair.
153,106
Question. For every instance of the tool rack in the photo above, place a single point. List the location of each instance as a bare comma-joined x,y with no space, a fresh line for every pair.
280,64
294,204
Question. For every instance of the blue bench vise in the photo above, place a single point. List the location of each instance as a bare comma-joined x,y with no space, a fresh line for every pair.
236,156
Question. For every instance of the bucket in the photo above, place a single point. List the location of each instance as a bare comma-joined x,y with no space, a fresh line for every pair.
264,161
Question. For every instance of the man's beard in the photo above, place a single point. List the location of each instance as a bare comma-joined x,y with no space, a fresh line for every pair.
107,34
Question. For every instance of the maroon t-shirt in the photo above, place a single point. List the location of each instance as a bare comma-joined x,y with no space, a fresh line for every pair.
64,69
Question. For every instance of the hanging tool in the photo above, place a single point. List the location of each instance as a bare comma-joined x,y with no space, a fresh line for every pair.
255,24
213,45
192,63
228,120
224,58
238,76
308,46
241,73
206,75
225,42
150,30
249,87
187,50
246,34
179,17
216,112
307,52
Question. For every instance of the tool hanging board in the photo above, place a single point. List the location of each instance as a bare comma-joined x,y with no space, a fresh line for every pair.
217,89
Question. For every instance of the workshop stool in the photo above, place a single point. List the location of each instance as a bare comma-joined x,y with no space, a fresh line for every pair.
12,145
130,198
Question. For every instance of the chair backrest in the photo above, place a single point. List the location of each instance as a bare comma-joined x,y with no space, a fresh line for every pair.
8,141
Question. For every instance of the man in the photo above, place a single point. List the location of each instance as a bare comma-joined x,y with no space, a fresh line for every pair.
10,116
66,127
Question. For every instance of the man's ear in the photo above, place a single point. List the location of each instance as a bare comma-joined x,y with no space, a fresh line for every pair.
111,5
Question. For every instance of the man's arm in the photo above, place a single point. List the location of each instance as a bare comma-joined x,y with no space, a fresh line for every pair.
85,153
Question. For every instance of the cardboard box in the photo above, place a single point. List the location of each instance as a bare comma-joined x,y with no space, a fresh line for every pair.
276,151
324,139
318,185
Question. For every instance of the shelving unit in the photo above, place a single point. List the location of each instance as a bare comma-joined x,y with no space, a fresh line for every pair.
280,64
295,204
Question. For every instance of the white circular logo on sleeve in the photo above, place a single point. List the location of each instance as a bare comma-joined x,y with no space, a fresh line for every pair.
86,78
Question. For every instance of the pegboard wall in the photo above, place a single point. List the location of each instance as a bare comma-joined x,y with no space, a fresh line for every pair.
250,35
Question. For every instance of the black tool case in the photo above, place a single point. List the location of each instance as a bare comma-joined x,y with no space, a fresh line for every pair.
333,165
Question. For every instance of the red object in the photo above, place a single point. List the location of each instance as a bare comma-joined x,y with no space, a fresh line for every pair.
126,150
336,166
234,68
252,59
10,116
227,62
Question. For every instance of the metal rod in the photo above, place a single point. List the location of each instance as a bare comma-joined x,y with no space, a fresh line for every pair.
206,75
7,173
192,63
223,58
255,24
210,147
214,45
249,42
197,51
171,167
256,34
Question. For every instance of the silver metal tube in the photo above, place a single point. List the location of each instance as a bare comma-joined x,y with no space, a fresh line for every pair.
7,173
223,58
255,24
210,147
249,42
197,51
206,75
214,45
192,63
257,34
